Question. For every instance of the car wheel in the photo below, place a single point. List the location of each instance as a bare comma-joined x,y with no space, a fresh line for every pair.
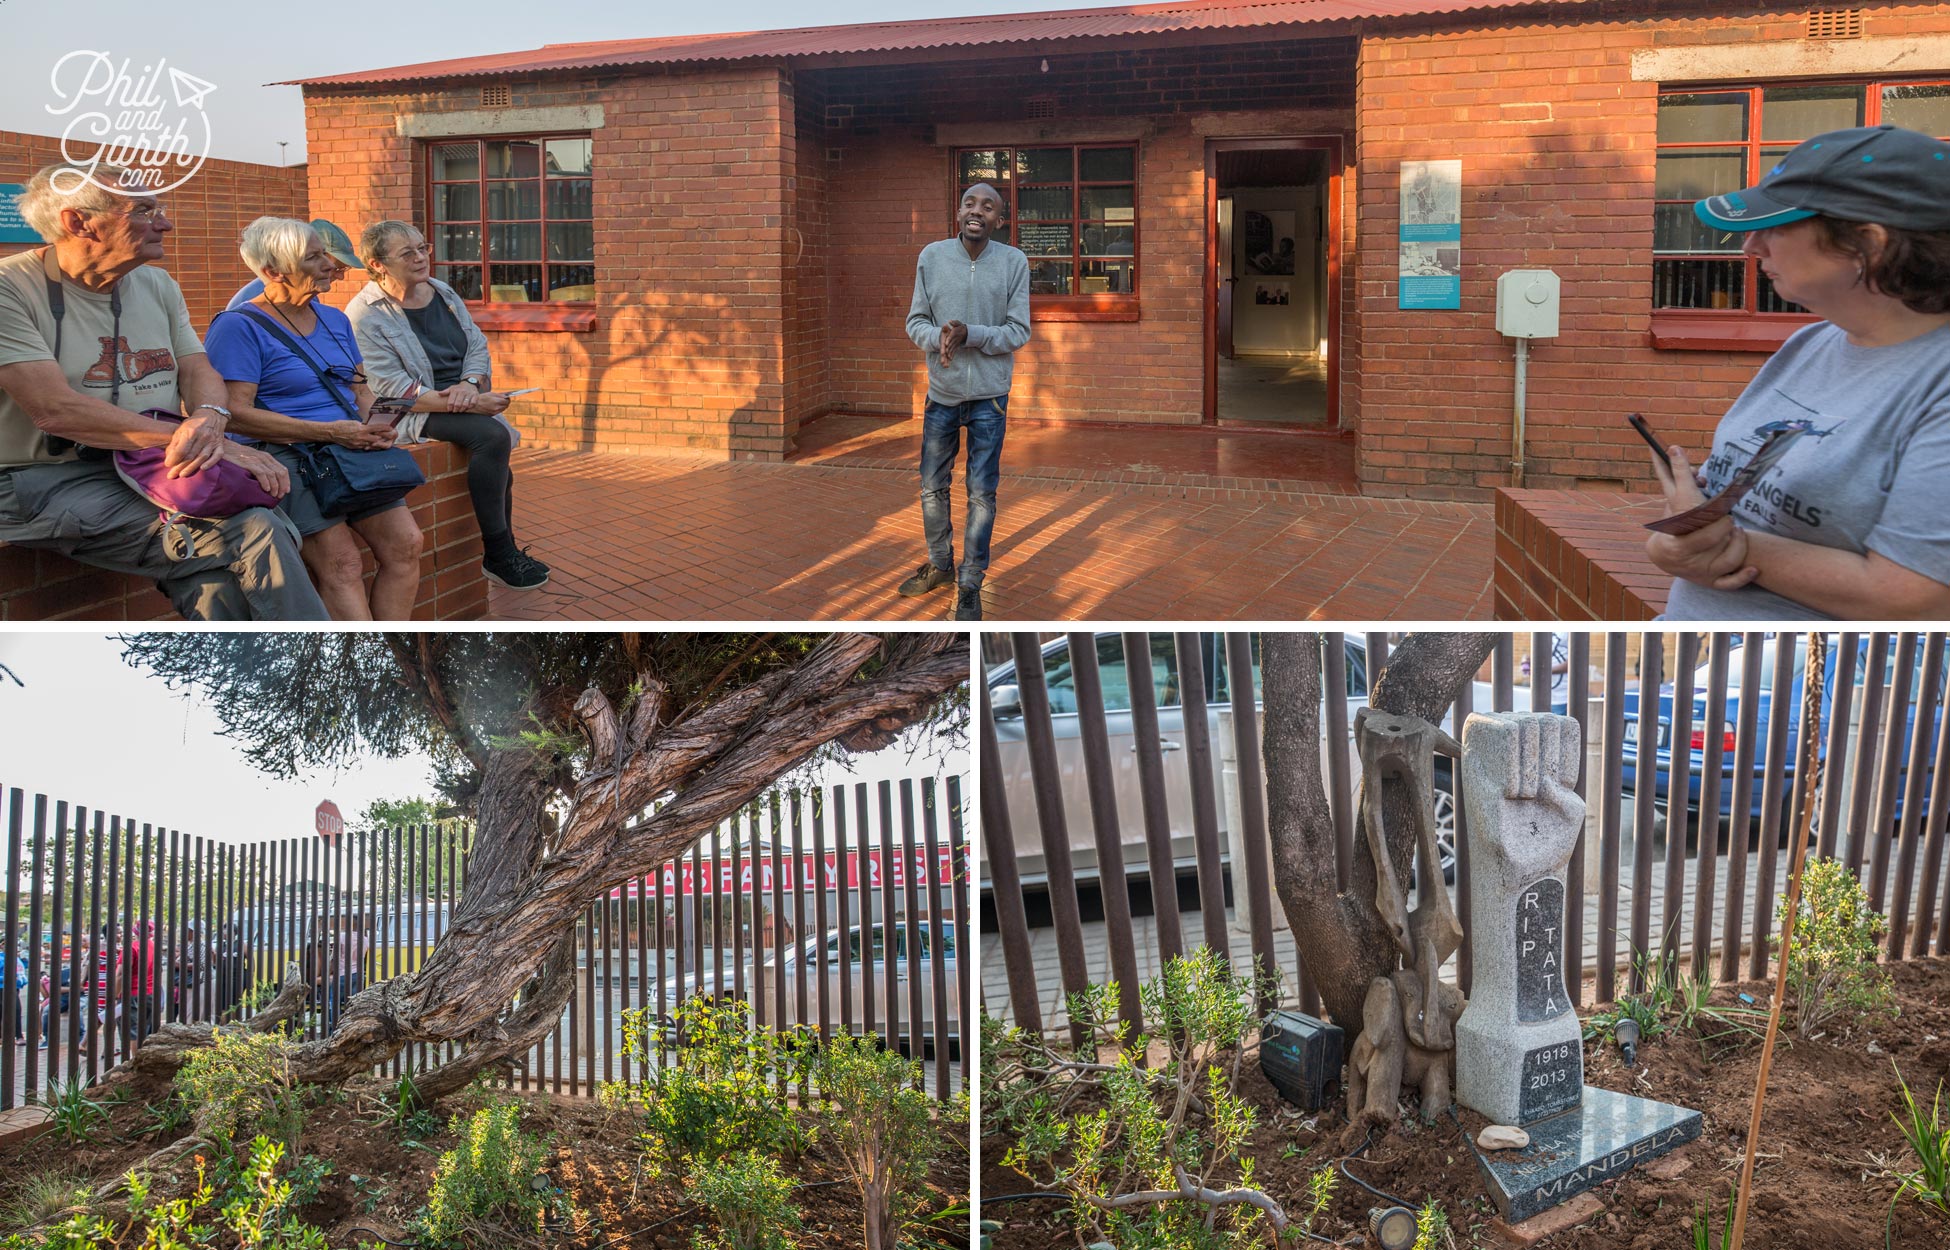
1445,830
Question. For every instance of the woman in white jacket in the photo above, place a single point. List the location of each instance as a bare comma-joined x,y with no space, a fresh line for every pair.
415,330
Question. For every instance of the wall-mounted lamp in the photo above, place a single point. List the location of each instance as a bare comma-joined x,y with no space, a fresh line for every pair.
1046,65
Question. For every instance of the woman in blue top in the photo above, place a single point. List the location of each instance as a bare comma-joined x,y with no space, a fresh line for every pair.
283,398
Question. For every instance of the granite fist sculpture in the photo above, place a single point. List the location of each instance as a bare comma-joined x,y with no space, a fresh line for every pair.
1518,1053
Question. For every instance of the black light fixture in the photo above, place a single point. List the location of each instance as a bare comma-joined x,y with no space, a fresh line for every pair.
1393,1227
1626,1034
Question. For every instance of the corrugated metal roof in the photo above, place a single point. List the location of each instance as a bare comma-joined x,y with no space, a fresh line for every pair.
944,32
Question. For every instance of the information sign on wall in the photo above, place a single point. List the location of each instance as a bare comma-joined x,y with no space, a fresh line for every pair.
1430,264
14,227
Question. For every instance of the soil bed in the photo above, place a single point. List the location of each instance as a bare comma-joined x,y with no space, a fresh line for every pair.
1823,1180
379,1178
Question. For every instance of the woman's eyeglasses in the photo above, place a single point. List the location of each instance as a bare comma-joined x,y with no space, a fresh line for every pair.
346,375
401,253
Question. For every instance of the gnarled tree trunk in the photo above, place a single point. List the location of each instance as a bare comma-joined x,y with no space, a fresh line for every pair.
497,981
1341,937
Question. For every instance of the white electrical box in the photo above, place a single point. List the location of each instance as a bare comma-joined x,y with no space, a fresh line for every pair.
1526,304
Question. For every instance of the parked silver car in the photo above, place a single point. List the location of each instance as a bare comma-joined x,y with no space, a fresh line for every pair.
1013,752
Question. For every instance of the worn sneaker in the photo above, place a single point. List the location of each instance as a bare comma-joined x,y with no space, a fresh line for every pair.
926,578
519,571
968,603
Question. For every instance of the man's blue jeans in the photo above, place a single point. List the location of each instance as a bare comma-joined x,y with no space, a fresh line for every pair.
941,430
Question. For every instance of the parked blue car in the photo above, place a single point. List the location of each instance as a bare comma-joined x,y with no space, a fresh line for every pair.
1763,720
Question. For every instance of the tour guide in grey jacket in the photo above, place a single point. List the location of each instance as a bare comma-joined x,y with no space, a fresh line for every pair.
970,315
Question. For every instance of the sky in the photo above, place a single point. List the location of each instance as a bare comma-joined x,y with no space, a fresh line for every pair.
239,45
88,728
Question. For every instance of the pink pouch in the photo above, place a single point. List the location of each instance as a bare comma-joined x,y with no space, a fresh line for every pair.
222,490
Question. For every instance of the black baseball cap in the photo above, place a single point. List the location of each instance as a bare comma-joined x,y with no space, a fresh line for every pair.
1882,174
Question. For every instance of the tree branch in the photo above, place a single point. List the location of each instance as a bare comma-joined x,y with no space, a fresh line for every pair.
421,670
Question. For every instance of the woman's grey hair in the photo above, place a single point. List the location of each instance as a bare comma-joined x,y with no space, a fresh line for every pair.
278,243
378,238
41,203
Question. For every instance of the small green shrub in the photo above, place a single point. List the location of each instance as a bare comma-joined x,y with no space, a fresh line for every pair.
880,1127
1832,968
408,1113
1431,1227
749,1199
255,1216
1097,1122
717,1094
167,1117
242,1086
1929,1140
490,1177
40,1195
72,1114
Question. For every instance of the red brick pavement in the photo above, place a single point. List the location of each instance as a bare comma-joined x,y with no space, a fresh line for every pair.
1133,536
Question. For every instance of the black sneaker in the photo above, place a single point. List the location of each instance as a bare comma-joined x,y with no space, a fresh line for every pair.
926,578
968,603
518,571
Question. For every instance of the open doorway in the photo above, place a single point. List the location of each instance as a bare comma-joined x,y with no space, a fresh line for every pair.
1272,292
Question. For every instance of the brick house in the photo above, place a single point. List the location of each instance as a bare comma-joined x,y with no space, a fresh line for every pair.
704,242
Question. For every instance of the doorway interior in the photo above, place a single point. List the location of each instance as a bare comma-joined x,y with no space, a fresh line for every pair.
1272,296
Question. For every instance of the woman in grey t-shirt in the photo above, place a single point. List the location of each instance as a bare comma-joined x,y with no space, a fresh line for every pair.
1853,225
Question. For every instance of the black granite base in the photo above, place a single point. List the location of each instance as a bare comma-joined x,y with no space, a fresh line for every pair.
1603,1137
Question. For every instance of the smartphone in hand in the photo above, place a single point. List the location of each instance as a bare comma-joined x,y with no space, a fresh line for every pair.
1637,422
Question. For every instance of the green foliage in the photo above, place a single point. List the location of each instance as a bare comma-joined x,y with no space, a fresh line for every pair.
383,815
1702,1226
167,1117
254,1215
1832,968
302,700
1096,1122
242,1084
1431,1227
41,1194
1929,1141
72,1114
749,1199
716,1095
494,1175
881,1128
408,1113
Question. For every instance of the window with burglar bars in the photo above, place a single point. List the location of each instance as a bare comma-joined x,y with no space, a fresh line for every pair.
512,219
1720,140
1072,209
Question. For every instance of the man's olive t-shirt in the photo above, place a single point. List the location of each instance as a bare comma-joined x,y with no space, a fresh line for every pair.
155,337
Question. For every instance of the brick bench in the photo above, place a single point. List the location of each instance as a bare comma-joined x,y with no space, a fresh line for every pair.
1567,555
43,586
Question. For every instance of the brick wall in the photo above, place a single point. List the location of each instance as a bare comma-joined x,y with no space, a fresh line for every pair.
209,214
893,188
691,172
1557,144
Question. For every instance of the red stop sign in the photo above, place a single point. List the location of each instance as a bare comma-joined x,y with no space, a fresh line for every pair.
330,823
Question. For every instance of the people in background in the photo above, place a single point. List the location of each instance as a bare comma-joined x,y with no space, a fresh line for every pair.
338,246
415,330
292,366
969,315
93,333
1854,226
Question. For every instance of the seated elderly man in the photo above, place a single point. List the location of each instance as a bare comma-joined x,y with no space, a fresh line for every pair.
92,334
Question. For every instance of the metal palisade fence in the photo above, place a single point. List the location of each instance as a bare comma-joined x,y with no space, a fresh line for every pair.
1119,778
841,908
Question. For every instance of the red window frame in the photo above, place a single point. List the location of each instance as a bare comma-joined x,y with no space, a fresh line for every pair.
1748,328
1077,305
490,313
